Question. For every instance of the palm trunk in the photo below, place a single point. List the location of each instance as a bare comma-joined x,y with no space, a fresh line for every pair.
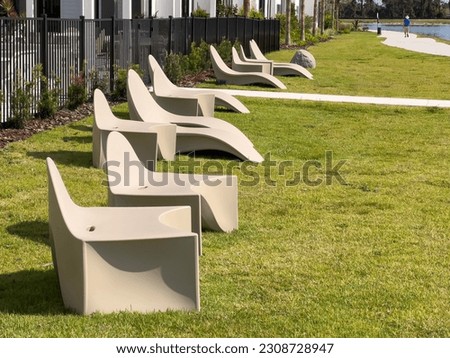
302,20
314,30
246,7
288,22
322,17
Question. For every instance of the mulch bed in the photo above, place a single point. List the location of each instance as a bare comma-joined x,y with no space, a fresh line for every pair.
65,116
32,126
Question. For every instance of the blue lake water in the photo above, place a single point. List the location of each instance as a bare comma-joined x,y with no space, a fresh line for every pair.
441,31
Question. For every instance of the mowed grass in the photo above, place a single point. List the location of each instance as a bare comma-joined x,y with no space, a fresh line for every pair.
366,256
360,64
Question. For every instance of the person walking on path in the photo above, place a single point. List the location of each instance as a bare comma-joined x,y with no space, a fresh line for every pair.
406,24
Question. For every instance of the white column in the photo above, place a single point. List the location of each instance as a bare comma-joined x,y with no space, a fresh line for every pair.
126,9
88,10
29,9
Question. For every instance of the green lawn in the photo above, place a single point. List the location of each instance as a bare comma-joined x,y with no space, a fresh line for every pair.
367,257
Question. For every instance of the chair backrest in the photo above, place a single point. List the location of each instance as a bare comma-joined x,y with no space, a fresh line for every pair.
141,104
123,167
242,53
217,61
255,51
161,83
236,58
61,207
103,116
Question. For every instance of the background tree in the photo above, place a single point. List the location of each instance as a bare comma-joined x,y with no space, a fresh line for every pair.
302,20
246,7
315,17
288,22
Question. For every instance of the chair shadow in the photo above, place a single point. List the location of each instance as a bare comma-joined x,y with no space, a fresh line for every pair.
78,139
31,292
36,231
81,127
212,155
66,157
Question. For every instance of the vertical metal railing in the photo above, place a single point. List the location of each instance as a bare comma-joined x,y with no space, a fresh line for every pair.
64,47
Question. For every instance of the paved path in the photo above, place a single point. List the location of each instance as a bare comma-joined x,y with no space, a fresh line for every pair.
346,99
414,43
392,38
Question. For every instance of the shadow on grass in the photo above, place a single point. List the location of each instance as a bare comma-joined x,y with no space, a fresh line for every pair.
78,139
81,127
31,292
212,154
66,157
36,231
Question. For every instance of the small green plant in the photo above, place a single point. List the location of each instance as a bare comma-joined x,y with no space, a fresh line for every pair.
77,92
174,68
199,12
97,81
7,8
198,58
48,103
226,10
21,101
224,50
1,102
120,81
252,14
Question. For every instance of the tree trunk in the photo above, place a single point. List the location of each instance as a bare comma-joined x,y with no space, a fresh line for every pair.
302,20
322,17
314,29
246,7
288,22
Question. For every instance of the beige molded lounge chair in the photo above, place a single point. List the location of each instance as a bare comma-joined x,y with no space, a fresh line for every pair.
193,133
225,74
201,104
238,65
143,136
122,259
244,58
164,88
280,68
213,198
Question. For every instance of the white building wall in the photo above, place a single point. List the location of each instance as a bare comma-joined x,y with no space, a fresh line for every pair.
71,9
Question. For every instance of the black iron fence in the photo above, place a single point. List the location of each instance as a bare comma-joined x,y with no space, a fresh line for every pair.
64,47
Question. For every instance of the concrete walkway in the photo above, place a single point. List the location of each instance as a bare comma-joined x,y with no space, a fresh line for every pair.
392,38
414,43
343,99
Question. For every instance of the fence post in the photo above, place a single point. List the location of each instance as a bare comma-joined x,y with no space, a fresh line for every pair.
217,28
170,35
44,45
112,55
206,28
186,41
82,32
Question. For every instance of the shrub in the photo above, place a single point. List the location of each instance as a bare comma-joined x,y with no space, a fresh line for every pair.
173,67
198,58
21,101
199,12
48,103
120,82
1,102
226,10
97,81
77,92
224,50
